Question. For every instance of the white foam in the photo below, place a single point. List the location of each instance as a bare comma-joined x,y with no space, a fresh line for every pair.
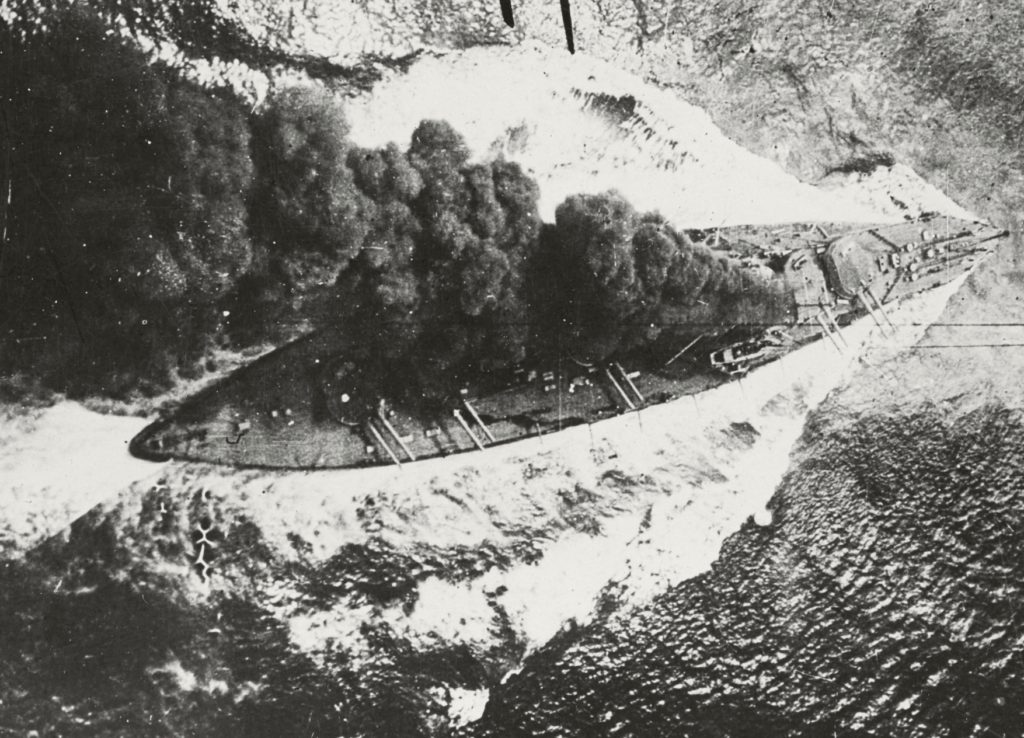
667,156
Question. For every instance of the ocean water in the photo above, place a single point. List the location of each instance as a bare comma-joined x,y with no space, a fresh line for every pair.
881,599
887,598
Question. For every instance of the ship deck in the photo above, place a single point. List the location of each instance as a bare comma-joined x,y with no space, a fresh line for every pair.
279,412
272,413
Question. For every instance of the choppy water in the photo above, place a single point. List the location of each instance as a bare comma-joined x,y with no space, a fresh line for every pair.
886,599
882,600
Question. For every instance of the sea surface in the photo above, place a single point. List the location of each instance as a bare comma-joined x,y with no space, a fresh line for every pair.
886,597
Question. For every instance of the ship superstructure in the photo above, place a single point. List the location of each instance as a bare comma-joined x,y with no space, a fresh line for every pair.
315,402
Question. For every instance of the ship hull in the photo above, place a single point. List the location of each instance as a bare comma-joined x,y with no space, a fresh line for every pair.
282,430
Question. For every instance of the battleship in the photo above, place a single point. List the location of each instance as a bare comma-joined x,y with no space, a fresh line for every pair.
318,403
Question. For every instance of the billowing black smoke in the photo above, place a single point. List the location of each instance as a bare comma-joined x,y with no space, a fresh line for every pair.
622,280
449,269
438,282
130,256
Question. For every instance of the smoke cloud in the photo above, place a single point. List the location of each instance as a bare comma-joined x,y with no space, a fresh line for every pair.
455,272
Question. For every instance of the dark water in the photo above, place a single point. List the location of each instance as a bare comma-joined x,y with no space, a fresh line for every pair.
886,599
97,638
